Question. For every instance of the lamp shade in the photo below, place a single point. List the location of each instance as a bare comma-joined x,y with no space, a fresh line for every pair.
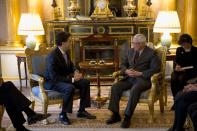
167,21
30,24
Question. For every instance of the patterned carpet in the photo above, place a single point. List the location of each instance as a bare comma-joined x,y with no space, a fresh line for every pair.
139,119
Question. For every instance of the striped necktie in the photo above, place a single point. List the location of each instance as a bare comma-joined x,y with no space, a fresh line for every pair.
137,54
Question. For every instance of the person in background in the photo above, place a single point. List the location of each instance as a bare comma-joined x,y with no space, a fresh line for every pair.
62,76
185,64
15,103
137,66
184,101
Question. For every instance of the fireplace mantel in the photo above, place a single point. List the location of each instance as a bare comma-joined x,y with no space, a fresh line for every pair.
116,27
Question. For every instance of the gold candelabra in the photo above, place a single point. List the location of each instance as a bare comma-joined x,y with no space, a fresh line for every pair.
56,11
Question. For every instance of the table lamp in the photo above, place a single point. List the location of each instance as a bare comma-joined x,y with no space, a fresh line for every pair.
167,22
30,24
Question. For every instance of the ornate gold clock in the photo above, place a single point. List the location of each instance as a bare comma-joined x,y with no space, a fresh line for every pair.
102,10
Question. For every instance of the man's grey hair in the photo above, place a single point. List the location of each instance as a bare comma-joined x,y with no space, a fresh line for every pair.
139,38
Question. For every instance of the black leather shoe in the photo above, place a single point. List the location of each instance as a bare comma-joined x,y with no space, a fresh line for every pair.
64,119
126,123
37,117
85,114
22,128
113,119
170,129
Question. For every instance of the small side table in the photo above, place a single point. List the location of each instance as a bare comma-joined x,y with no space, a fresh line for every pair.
97,67
21,58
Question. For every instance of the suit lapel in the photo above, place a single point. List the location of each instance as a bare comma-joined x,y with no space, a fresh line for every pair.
60,55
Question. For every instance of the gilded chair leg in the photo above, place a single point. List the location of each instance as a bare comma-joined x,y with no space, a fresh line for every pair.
44,109
165,94
151,110
161,103
1,115
33,105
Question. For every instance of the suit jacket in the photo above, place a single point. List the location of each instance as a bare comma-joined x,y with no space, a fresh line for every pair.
57,70
187,59
148,62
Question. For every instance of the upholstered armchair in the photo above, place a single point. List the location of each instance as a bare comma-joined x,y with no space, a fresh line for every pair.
36,66
157,88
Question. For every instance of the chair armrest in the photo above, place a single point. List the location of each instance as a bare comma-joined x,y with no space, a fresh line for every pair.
36,78
156,77
116,75
40,81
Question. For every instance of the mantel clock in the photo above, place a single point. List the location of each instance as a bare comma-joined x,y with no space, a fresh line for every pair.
102,10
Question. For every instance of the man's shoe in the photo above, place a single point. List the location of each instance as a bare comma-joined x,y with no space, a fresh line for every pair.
85,114
170,129
126,123
37,117
64,119
113,119
22,128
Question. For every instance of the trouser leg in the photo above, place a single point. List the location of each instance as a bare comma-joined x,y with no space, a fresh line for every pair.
192,110
177,83
12,97
116,93
84,86
181,107
16,117
135,93
67,90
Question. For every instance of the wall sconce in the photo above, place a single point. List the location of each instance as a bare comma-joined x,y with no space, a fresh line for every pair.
30,24
167,22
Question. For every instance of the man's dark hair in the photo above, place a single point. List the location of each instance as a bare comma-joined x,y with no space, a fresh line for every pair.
185,38
61,37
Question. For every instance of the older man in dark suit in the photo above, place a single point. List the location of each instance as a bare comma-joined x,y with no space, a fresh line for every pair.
138,65
62,76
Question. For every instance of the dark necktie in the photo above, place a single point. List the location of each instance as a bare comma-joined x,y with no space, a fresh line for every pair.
137,54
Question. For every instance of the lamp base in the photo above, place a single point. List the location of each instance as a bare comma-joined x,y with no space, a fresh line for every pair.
166,40
31,42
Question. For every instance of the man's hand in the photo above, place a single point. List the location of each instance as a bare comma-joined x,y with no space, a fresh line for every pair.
190,87
178,68
77,76
133,73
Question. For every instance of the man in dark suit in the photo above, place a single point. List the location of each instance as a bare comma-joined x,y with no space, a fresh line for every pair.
62,76
15,103
185,57
192,111
137,66
185,102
